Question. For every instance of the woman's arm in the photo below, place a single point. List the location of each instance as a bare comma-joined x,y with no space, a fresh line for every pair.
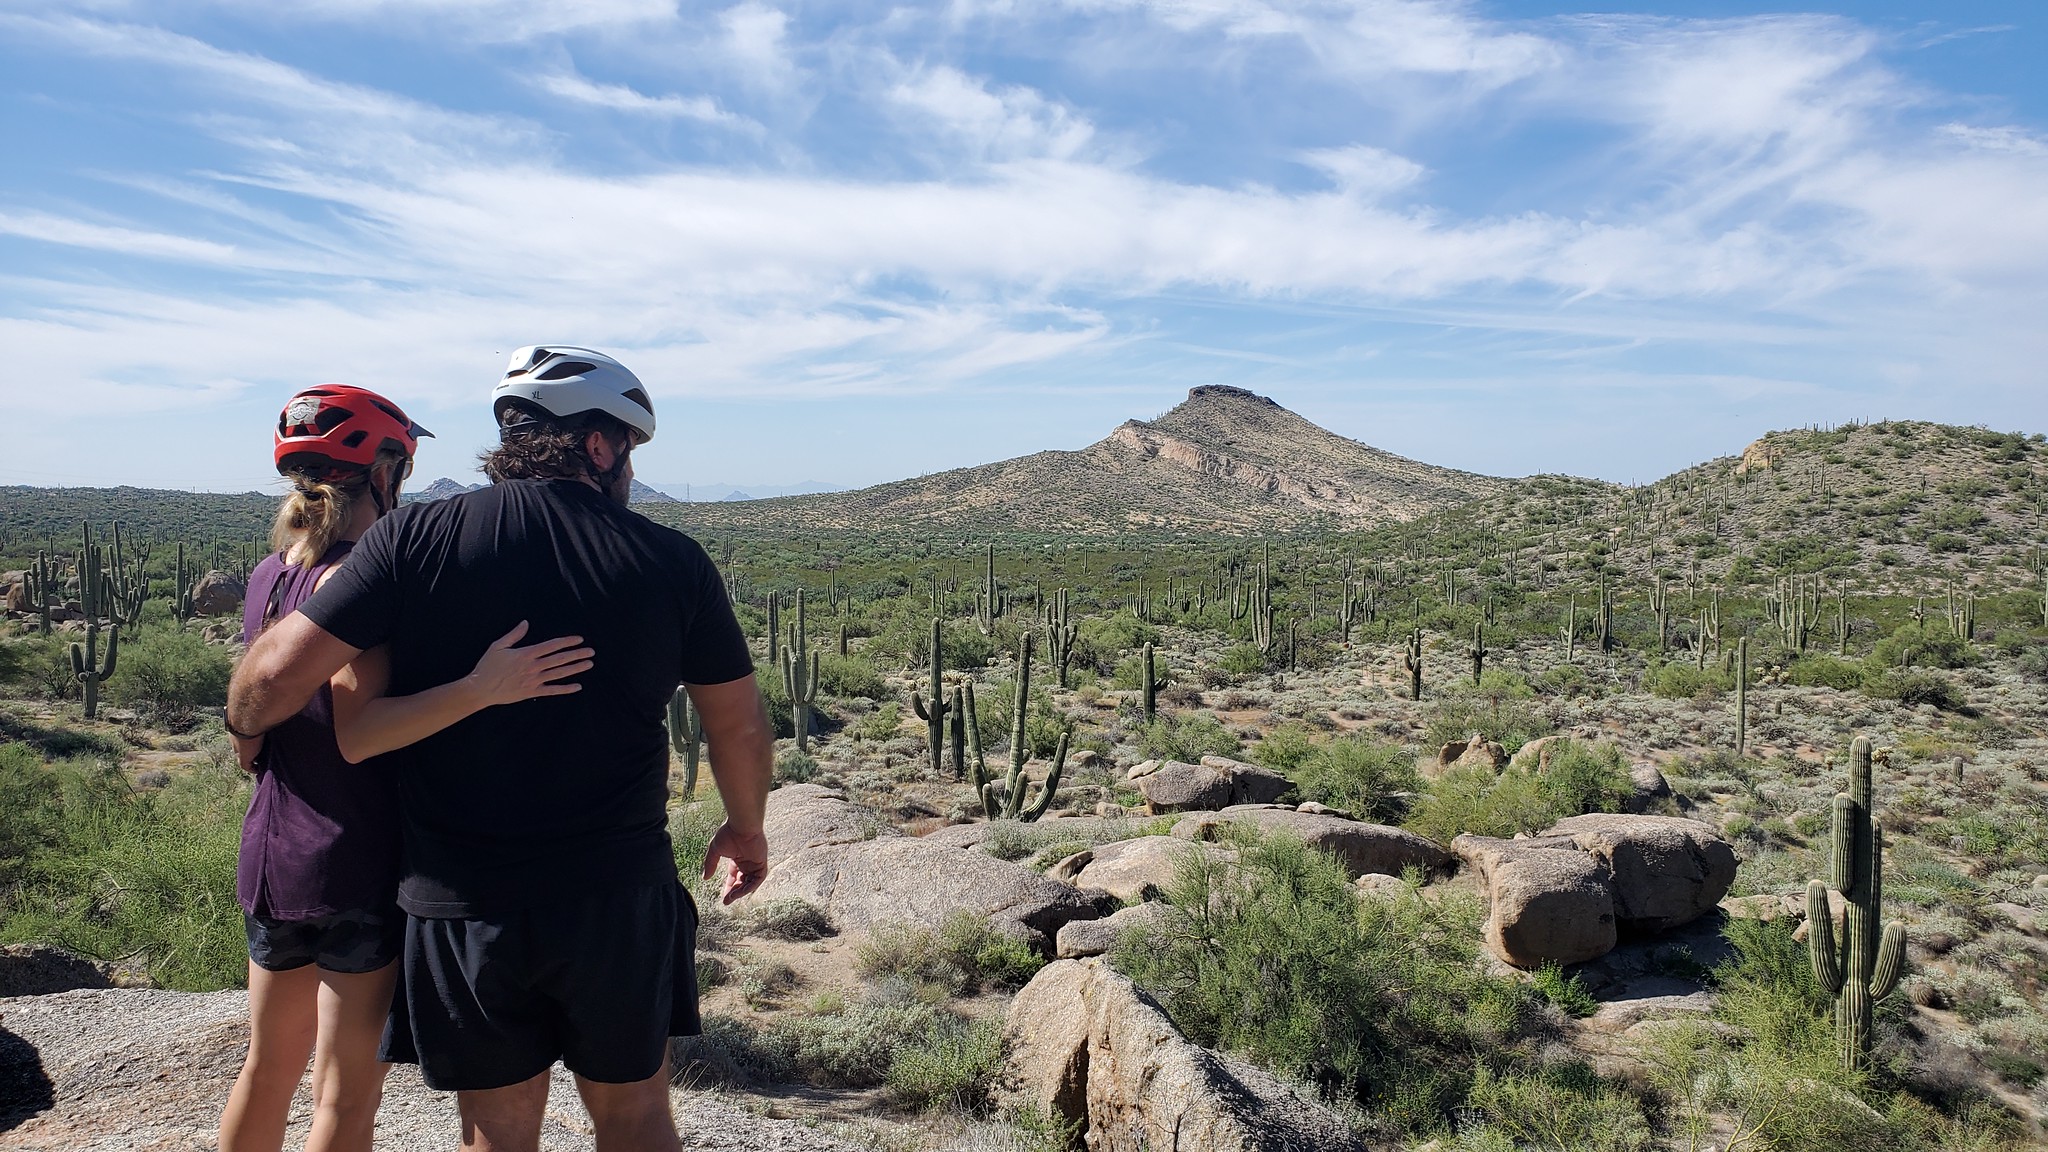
367,723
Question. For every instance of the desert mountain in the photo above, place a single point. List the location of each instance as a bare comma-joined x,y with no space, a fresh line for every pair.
1224,460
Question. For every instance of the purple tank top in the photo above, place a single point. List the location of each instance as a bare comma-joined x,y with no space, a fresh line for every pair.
322,835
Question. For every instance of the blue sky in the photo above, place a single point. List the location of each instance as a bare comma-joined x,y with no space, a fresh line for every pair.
850,243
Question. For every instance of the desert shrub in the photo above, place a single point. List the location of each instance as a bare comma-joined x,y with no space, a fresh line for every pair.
1582,777
962,956
144,877
1359,775
1382,1001
849,676
1101,640
852,1046
2033,662
1563,680
881,724
1499,715
952,1066
1564,1107
1564,991
1819,671
169,673
690,830
1586,777
775,698
1922,645
43,668
1187,737
790,918
1243,660
1913,686
794,767
1677,680
1285,747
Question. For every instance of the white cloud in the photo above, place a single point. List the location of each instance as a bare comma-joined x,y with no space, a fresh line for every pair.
1007,123
1362,170
756,43
621,98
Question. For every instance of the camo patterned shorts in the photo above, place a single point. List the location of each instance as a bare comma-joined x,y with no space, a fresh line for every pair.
356,940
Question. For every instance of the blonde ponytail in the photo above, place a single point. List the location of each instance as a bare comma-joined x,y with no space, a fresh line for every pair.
316,513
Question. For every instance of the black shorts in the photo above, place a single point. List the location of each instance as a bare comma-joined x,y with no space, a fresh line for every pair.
598,981
354,941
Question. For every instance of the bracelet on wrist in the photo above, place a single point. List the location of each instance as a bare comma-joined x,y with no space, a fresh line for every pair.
235,732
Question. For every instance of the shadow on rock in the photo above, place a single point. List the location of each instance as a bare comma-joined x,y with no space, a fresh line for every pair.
25,1088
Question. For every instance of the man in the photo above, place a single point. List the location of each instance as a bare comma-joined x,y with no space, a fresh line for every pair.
543,909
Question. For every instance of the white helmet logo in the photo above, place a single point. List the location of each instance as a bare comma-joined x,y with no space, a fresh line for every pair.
301,410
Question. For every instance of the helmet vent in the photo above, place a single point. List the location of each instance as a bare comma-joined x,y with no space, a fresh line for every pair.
566,368
355,439
638,396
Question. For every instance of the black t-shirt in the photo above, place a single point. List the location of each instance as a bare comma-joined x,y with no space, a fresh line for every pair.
524,800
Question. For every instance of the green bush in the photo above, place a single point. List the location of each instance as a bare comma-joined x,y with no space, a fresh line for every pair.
1357,774
117,875
1681,681
1187,737
1582,777
1921,645
1563,1107
169,673
1819,671
881,724
1586,777
846,676
1285,747
1502,717
1912,687
1101,640
1387,1002
952,1066
962,956
1564,991
1243,660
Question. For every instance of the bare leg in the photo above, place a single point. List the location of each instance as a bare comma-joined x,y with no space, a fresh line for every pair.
348,1079
632,1117
504,1119
283,1009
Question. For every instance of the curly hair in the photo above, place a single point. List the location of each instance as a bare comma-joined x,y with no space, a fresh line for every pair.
551,449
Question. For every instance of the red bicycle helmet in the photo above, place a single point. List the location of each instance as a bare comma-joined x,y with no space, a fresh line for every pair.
336,430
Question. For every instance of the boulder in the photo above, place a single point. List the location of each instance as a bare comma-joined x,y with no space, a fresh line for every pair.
1051,828
1535,755
896,879
1217,782
802,816
1095,937
218,594
1133,871
1360,846
1651,789
1380,886
40,970
1547,901
1086,1046
1665,870
1142,769
16,597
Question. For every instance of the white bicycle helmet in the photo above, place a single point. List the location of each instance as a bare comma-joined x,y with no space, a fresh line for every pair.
563,381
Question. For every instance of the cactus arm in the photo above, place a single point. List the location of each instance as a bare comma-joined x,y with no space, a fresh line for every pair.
977,767
1842,858
1891,961
917,706
1038,806
1820,939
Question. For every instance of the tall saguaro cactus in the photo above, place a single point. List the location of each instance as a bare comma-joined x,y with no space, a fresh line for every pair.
45,587
1478,652
1060,636
1741,695
1153,683
800,676
87,665
1412,661
1009,802
1864,967
934,714
686,736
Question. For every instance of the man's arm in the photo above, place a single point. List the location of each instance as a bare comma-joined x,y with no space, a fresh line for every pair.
742,750
281,671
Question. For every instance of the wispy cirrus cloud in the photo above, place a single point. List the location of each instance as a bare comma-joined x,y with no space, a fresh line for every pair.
621,98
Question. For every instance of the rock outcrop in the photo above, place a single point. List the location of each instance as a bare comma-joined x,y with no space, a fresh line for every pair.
1096,937
1217,782
864,874
1133,871
218,594
1362,847
1566,895
1085,1045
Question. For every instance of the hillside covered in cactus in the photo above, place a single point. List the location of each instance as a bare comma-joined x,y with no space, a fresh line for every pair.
1225,460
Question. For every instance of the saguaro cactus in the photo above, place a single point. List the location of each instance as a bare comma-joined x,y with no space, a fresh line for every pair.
1060,636
1741,695
1412,661
1009,802
1478,652
800,676
686,736
1865,966
87,665
1153,683
934,714
45,588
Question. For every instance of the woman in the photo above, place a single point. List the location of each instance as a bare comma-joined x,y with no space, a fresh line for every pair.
320,845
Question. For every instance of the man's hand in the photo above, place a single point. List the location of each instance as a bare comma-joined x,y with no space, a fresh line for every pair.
749,857
247,748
